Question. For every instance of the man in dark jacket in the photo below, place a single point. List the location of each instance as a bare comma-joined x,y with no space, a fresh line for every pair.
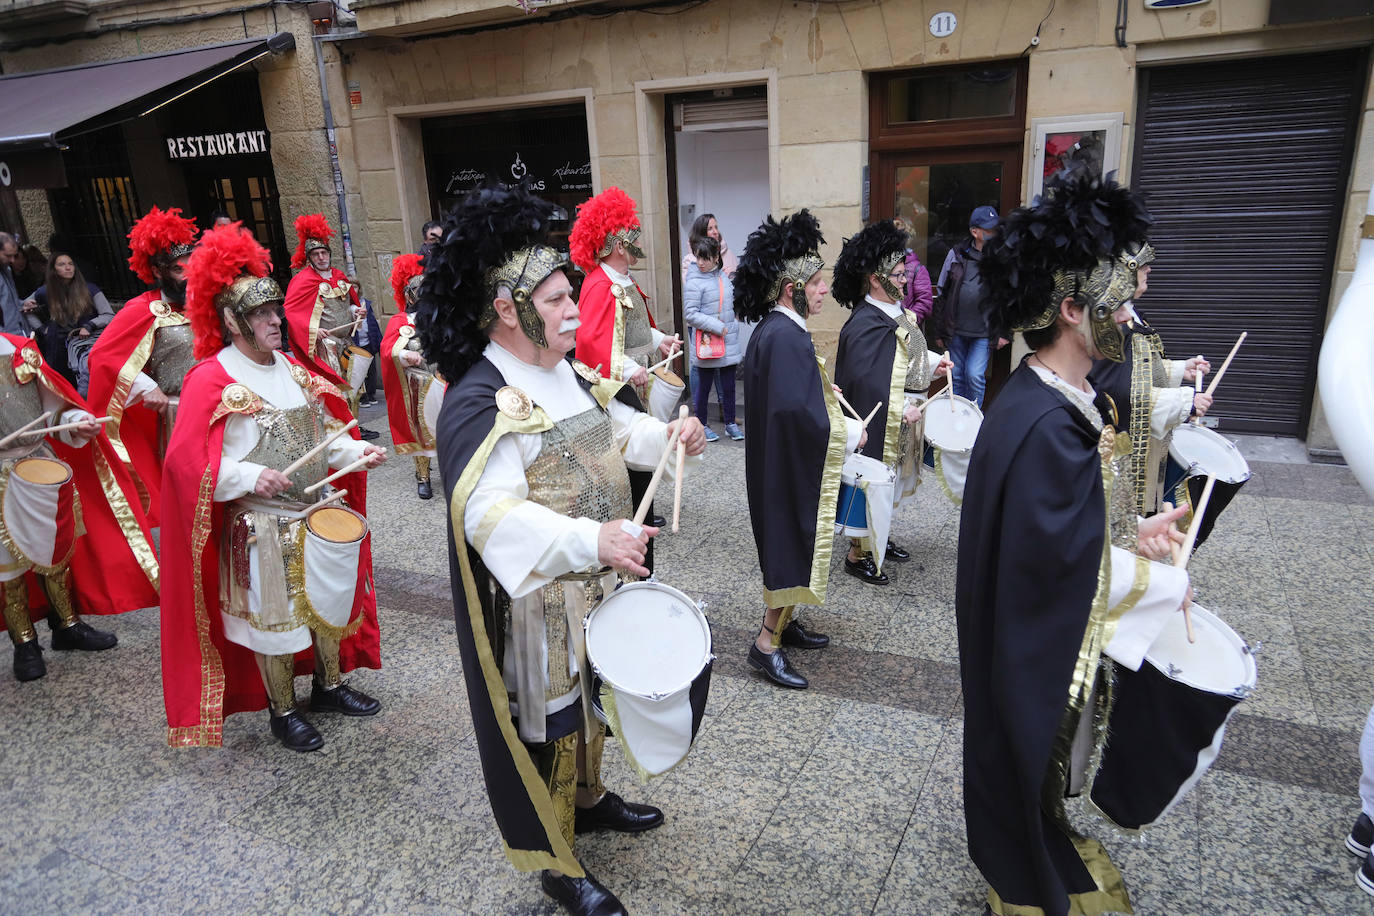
960,318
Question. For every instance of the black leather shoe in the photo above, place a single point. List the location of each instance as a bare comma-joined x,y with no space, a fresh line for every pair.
582,896
83,636
28,661
866,570
900,554
658,521
799,637
368,435
294,732
615,813
344,699
776,668
424,489
1359,841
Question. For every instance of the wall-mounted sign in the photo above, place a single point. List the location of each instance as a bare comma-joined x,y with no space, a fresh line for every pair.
539,167
942,25
230,143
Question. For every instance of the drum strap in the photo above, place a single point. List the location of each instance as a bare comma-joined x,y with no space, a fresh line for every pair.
16,598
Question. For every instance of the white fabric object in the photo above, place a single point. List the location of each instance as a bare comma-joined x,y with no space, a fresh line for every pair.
141,385
331,577
239,631
31,511
1367,765
877,484
1170,410
1139,626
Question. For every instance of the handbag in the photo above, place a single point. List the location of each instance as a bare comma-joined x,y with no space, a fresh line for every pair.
712,346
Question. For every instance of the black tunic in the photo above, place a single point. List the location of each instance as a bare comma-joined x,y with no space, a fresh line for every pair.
1031,544
863,370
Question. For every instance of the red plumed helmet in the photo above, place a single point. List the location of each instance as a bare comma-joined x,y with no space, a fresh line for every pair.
607,212
404,269
157,232
312,227
223,255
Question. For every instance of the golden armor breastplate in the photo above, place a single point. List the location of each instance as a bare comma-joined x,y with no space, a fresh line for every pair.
918,375
579,471
285,435
20,403
338,309
639,335
171,358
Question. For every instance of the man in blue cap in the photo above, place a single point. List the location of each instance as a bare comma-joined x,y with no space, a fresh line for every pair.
960,317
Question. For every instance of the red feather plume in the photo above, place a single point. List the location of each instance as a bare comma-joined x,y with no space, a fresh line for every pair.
608,211
403,269
309,226
223,255
156,232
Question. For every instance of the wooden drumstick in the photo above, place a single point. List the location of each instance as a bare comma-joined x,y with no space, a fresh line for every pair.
1182,554
1216,379
25,428
1197,389
949,377
677,479
355,466
663,362
299,463
63,427
847,406
872,413
332,497
342,327
648,496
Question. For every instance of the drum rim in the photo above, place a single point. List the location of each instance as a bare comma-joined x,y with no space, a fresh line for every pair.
629,587
362,518
933,409
1228,446
42,483
1229,633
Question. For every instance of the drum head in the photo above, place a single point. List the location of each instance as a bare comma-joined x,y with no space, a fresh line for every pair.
337,524
856,466
1204,451
648,639
1218,662
669,376
952,430
43,471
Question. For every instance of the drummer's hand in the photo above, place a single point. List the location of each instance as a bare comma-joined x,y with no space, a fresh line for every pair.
911,413
84,433
359,311
156,400
1192,365
863,438
693,435
1201,401
411,357
619,550
1002,342
639,377
1158,530
271,483
945,367
669,345
321,336
376,452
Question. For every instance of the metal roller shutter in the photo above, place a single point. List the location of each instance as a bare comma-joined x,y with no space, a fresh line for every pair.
1245,166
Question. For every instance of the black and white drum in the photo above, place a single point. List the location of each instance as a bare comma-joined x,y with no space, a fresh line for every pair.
1195,452
951,428
649,646
1169,717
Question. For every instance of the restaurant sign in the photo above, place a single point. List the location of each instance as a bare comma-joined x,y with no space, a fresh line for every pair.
230,143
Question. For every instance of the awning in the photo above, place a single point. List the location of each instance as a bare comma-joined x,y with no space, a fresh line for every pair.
87,97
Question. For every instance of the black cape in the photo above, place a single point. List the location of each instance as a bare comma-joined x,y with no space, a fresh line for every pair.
1031,543
792,461
469,426
864,371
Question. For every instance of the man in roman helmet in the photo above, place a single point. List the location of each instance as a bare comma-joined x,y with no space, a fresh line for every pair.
798,438
69,515
1058,589
412,390
882,360
535,450
265,581
139,362
324,312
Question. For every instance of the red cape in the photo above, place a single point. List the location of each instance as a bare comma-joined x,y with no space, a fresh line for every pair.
117,357
303,311
393,378
204,676
597,309
114,567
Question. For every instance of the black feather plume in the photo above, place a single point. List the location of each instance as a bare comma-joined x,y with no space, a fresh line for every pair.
862,256
768,247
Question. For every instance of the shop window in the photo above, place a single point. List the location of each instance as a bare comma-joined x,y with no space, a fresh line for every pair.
948,106
949,95
95,211
1088,144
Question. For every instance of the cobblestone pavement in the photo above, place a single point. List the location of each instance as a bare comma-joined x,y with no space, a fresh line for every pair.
845,798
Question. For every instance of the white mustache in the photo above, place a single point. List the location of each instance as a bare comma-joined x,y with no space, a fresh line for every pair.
569,325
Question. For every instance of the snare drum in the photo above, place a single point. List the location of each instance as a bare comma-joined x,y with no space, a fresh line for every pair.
1195,452
951,428
864,507
650,647
37,516
665,390
1169,718
359,361
333,544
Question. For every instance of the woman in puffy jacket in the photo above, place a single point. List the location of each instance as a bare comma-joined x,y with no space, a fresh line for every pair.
708,305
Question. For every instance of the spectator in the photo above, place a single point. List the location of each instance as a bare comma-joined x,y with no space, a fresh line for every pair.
708,306
67,312
61,241
11,314
433,234
705,226
218,219
961,321
29,267
919,298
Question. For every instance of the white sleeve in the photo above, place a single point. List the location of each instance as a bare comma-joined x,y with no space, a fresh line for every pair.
628,366
933,361
61,413
1143,596
657,336
853,429
237,477
142,384
523,544
642,439
1175,369
1170,409
344,450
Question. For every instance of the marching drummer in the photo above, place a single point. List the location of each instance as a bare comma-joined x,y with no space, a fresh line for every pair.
144,353
798,436
52,454
534,450
406,378
260,571
324,311
882,362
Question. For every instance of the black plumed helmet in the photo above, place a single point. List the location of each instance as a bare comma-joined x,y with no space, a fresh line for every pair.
765,255
863,255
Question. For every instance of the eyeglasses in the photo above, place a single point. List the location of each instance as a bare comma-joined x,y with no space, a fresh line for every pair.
433,237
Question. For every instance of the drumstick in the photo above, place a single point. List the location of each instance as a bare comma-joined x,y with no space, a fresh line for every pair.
352,326
871,413
332,497
1197,389
950,379
1216,379
648,497
1185,552
663,362
677,479
846,405
355,466
299,463
63,427
25,428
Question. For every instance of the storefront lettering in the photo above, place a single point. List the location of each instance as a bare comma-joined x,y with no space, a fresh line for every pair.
240,143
